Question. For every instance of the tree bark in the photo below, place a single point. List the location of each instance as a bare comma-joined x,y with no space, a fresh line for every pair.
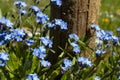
79,14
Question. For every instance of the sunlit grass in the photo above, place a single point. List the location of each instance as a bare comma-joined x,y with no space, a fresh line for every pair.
109,15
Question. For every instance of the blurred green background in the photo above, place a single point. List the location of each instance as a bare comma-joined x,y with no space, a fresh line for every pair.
108,19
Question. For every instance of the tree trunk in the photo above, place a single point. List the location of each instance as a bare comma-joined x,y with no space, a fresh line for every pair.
79,14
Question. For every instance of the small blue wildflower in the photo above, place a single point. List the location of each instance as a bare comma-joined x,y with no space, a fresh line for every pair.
58,2
2,38
32,77
40,52
35,9
66,64
6,22
119,77
41,18
95,26
74,37
29,42
23,11
18,34
51,25
20,4
100,34
115,40
3,58
118,29
84,61
61,24
76,48
8,37
2,42
113,53
97,78
45,63
99,52
46,41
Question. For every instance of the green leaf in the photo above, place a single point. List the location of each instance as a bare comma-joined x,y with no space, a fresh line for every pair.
61,55
66,76
54,74
74,60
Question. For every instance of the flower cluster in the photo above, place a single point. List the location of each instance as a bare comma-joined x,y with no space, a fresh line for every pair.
74,38
5,23
40,52
15,40
58,22
104,40
105,36
20,5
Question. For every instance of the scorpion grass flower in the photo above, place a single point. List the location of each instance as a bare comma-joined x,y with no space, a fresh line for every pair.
32,77
84,61
76,47
97,78
41,18
2,38
46,41
35,9
74,37
18,34
6,22
29,42
20,4
51,25
96,27
99,52
8,37
23,11
61,24
40,52
66,64
45,63
3,58
58,2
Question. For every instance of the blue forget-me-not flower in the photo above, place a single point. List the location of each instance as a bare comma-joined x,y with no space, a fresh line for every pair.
74,37
32,77
66,64
58,2
3,58
46,41
41,18
45,63
76,47
40,52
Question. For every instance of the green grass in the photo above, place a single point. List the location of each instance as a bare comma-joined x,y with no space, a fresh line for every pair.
109,15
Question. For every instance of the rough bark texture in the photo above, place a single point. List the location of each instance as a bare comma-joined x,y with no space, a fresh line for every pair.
79,14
